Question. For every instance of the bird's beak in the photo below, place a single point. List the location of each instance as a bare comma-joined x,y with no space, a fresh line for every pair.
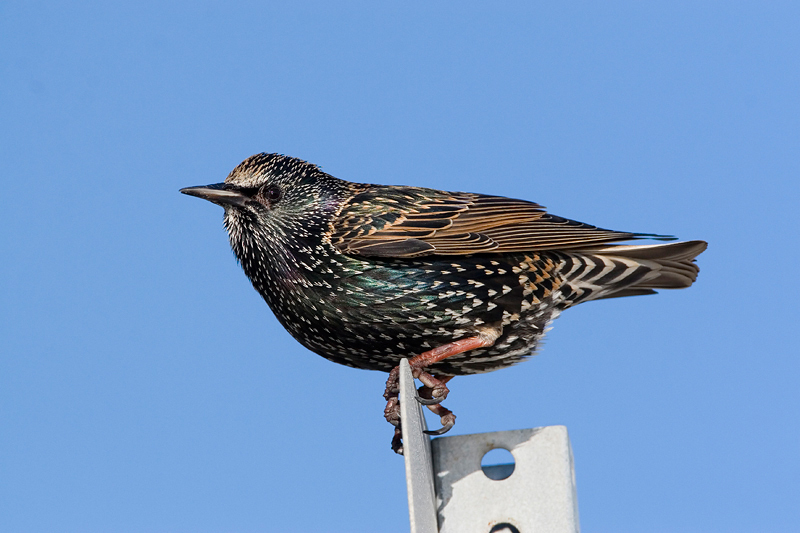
218,194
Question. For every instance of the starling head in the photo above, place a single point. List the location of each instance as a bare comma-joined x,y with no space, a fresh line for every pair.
274,206
269,193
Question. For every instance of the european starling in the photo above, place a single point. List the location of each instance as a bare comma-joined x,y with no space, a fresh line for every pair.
460,283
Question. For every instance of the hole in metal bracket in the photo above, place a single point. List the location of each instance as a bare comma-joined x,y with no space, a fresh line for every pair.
497,464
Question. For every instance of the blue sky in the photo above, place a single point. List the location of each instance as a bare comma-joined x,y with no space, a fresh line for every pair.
144,386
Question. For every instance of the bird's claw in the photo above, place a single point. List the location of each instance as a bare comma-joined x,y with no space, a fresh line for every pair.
426,397
448,421
429,401
397,441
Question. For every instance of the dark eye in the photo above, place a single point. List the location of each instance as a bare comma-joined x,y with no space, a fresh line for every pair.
272,193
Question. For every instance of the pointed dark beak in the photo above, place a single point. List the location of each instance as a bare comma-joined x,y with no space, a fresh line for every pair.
218,194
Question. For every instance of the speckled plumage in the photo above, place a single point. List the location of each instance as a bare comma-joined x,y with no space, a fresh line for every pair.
365,275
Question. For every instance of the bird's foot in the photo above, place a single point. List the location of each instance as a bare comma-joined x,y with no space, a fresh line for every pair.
432,392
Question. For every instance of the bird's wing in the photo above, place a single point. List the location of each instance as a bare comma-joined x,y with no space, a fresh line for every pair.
411,222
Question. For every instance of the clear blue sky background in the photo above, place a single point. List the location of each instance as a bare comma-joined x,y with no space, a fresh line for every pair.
144,385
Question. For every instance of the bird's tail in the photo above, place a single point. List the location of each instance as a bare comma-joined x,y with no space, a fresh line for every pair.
623,270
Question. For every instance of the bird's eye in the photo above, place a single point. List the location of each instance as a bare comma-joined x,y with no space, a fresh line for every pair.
272,193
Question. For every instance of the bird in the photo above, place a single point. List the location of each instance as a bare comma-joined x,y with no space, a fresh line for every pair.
459,283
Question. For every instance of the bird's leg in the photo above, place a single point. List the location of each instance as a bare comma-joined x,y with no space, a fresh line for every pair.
426,359
437,387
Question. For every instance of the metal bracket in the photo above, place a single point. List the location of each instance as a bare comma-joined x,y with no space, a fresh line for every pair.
448,491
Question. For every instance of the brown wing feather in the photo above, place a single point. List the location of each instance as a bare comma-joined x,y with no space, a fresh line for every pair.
412,222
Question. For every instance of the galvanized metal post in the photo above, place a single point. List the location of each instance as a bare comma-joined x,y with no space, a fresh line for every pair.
417,453
449,492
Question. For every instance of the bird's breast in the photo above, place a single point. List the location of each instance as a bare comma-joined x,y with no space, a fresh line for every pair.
369,313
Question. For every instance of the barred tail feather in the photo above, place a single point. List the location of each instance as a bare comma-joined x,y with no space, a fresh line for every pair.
624,270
